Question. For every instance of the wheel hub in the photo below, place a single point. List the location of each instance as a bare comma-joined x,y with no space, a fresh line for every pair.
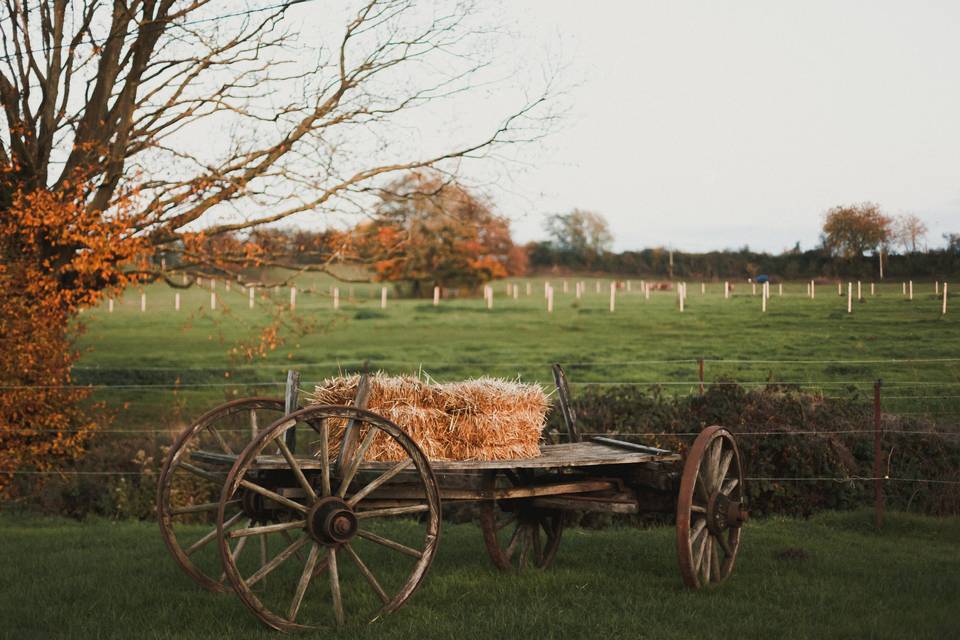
724,513
331,521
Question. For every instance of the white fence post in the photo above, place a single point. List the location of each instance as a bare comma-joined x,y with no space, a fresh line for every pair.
251,296
813,289
944,310
436,296
143,302
383,297
910,290
336,298
213,300
871,289
293,298
849,297
549,299
176,301
613,296
110,305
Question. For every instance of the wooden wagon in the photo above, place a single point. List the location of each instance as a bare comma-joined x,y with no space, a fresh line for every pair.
324,519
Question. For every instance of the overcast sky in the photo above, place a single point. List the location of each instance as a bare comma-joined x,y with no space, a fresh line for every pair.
706,125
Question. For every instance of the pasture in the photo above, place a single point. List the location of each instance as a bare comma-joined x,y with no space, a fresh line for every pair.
163,366
830,576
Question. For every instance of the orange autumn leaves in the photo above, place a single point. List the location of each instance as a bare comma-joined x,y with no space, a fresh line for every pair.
57,257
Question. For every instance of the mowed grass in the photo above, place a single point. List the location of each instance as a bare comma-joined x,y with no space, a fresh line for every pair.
828,577
517,337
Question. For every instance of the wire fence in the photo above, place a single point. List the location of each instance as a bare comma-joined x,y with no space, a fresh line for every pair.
930,414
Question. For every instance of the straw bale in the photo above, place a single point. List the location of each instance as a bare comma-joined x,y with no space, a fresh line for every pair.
480,419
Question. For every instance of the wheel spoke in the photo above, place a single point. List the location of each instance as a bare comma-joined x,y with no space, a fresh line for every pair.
267,528
725,545
223,443
503,524
392,511
276,497
713,464
707,553
367,574
304,581
697,508
197,508
700,486
241,543
325,458
295,467
537,546
697,528
286,536
354,463
730,485
524,548
203,473
724,467
698,543
714,563
277,560
511,546
212,534
376,483
335,585
390,544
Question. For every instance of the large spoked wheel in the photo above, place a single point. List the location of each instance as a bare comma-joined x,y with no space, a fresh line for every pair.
346,538
517,535
189,490
710,509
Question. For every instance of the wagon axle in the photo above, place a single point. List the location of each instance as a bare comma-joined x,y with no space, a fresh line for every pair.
724,513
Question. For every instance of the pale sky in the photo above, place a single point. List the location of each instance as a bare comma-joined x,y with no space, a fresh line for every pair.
706,125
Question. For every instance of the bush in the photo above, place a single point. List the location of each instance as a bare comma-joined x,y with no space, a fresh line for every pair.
796,437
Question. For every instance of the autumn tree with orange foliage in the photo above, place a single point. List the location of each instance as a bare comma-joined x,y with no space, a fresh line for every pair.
131,129
429,231
851,230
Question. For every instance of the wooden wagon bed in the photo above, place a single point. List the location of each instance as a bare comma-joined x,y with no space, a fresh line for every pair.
552,456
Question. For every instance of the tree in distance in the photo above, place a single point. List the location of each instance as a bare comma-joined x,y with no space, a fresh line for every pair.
850,231
428,231
584,234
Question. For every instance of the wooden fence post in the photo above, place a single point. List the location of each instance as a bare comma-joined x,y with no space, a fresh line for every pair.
143,302
813,289
549,299
910,290
213,300
293,298
436,296
613,296
944,310
700,373
871,290
336,298
878,474
110,305
383,297
251,296
849,297
176,302
726,289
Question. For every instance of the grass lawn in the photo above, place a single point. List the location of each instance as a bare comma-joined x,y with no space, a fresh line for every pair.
460,338
830,576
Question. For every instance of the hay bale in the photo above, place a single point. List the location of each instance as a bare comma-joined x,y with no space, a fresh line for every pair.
480,419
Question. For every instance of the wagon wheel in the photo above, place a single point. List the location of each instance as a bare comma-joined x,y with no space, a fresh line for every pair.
189,490
710,509
337,547
516,534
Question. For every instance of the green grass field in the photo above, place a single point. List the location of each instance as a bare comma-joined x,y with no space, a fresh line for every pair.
831,576
644,341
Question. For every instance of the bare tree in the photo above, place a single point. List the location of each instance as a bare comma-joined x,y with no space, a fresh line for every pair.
208,116
909,231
